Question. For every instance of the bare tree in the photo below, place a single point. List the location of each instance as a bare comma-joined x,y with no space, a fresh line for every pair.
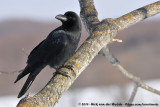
101,34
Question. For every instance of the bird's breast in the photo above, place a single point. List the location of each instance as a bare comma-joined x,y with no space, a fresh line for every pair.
60,58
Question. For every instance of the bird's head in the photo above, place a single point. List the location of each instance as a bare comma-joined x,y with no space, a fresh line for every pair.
70,20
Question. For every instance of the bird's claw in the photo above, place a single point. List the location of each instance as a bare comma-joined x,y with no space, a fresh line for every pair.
68,67
66,74
28,95
71,68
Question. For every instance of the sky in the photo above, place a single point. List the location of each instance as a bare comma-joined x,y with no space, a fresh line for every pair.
46,10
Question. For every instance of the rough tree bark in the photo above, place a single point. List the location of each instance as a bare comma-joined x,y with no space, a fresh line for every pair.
101,34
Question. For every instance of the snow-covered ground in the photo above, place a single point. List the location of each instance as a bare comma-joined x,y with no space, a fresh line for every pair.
91,96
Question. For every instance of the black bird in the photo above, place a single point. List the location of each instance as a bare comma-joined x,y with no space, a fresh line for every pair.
59,46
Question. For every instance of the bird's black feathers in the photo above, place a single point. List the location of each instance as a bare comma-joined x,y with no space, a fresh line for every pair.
34,50
24,73
59,46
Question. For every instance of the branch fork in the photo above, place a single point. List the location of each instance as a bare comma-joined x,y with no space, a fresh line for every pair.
101,34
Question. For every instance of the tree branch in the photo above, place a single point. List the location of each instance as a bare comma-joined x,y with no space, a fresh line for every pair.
137,15
114,61
2,72
13,72
89,14
101,34
134,92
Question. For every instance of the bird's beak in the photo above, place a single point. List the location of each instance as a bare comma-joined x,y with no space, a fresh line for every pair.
61,17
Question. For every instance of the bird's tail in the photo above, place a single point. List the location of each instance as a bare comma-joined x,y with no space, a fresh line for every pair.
26,70
27,84
30,80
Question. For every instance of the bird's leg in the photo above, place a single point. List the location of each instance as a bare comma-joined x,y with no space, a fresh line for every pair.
66,74
62,73
68,67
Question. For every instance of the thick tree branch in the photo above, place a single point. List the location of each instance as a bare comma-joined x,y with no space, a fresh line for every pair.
101,34
137,15
89,14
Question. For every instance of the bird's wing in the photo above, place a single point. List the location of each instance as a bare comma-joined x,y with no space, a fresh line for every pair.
29,68
54,43
42,52
34,50
36,54
51,46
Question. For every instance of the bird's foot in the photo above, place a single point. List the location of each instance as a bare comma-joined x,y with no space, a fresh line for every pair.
63,73
29,94
66,74
68,67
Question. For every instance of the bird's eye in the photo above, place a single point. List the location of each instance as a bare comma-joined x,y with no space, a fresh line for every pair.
73,18
70,17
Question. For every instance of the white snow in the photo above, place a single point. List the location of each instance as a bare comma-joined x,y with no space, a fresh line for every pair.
98,95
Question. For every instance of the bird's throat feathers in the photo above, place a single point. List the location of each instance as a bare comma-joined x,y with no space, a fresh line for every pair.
69,26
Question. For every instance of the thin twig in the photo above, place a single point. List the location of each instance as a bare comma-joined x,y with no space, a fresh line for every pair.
134,92
24,51
122,70
3,72
13,72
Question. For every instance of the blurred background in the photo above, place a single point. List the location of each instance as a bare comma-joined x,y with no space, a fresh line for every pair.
25,23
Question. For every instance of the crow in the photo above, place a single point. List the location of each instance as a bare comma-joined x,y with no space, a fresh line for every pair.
59,46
